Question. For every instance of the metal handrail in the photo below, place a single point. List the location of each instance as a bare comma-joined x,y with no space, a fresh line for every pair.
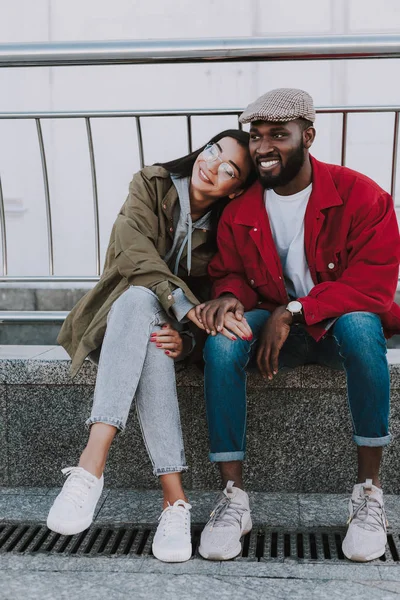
149,52
180,112
244,49
33,316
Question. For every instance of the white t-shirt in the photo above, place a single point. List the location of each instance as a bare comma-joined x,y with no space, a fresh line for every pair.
286,216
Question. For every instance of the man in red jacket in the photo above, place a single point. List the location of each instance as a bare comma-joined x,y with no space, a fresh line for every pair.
306,272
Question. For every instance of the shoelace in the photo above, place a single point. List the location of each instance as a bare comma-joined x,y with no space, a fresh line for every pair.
175,517
369,513
77,486
227,512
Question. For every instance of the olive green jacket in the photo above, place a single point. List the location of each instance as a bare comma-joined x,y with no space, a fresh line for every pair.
142,234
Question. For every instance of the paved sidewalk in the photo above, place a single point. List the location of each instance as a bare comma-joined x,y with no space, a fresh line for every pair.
45,577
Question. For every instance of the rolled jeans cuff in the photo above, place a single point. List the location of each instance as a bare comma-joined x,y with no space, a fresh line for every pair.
372,442
107,421
225,456
165,470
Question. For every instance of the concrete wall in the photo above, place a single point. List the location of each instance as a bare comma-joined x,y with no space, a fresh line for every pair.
162,87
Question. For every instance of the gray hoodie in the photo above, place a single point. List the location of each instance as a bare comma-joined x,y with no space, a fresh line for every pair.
184,228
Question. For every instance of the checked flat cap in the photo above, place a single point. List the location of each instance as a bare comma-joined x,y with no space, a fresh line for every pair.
282,104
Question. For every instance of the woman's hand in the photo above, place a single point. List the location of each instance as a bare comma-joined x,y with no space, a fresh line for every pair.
211,314
233,328
169,340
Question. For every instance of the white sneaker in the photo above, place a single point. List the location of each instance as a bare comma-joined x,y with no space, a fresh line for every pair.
366,536
172,541
73,509
229,521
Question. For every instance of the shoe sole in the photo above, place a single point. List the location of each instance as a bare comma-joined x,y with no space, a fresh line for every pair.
360,558
230,556
177,557
65,528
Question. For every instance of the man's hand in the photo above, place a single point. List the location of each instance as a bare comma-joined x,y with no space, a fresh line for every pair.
191,315
212,314
274,335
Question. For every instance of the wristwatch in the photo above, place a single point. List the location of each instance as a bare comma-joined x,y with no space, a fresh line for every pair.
296,309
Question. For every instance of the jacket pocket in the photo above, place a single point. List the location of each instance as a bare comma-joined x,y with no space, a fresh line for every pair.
328,264
256,278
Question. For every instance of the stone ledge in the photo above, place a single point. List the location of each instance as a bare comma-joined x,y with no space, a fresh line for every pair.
49,365
299,435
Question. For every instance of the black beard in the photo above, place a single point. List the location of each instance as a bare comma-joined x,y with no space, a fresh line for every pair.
294,163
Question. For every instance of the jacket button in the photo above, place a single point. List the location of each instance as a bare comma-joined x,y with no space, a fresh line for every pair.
170,297
251,281
255,229
171,229
331,266
164,206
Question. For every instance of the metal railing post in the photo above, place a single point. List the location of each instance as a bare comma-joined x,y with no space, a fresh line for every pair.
47,197
189,133
140,141
394,154
95,195
3,231
344,140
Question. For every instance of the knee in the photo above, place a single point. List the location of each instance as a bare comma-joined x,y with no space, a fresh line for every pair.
136,300
358,332
222,351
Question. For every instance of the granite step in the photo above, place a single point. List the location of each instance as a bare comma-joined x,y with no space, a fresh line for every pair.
299,430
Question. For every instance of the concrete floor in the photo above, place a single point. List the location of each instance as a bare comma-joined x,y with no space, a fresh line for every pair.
38,576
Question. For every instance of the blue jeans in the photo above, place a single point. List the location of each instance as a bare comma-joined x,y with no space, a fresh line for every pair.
355,344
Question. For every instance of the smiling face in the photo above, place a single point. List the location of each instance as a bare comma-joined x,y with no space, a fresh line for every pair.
211,181
279,150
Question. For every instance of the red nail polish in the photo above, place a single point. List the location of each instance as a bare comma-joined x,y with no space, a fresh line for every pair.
234,338
158,345
166,352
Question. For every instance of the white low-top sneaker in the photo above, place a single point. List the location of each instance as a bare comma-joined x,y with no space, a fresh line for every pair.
229,521
366,536
73,509
172,541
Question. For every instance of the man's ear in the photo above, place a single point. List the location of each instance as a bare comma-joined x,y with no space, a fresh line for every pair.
309,136
235,194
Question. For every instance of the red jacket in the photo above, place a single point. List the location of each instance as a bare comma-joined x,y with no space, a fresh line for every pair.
352,245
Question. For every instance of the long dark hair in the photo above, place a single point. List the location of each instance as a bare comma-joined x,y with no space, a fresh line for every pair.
183,167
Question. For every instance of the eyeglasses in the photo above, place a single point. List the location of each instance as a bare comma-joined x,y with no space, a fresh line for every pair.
211,154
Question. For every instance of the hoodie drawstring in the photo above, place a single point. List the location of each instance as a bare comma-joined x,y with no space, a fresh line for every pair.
187,240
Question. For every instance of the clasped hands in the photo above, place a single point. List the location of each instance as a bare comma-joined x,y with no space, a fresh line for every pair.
225,315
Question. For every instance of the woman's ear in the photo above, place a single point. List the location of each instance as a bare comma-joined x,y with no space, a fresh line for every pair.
235,194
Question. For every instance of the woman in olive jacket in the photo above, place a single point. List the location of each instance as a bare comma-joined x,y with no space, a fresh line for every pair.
134,323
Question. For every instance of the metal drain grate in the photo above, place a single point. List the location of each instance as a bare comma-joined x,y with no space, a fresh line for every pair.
261,544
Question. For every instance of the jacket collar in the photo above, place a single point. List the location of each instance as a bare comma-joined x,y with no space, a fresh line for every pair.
324,195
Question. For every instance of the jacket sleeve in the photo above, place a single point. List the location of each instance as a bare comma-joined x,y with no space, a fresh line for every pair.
227,270
369,282
136,230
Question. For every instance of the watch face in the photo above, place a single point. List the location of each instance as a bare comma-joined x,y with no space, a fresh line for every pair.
295,306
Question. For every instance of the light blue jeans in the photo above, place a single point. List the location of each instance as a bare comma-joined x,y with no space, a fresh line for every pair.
355,344
131,366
